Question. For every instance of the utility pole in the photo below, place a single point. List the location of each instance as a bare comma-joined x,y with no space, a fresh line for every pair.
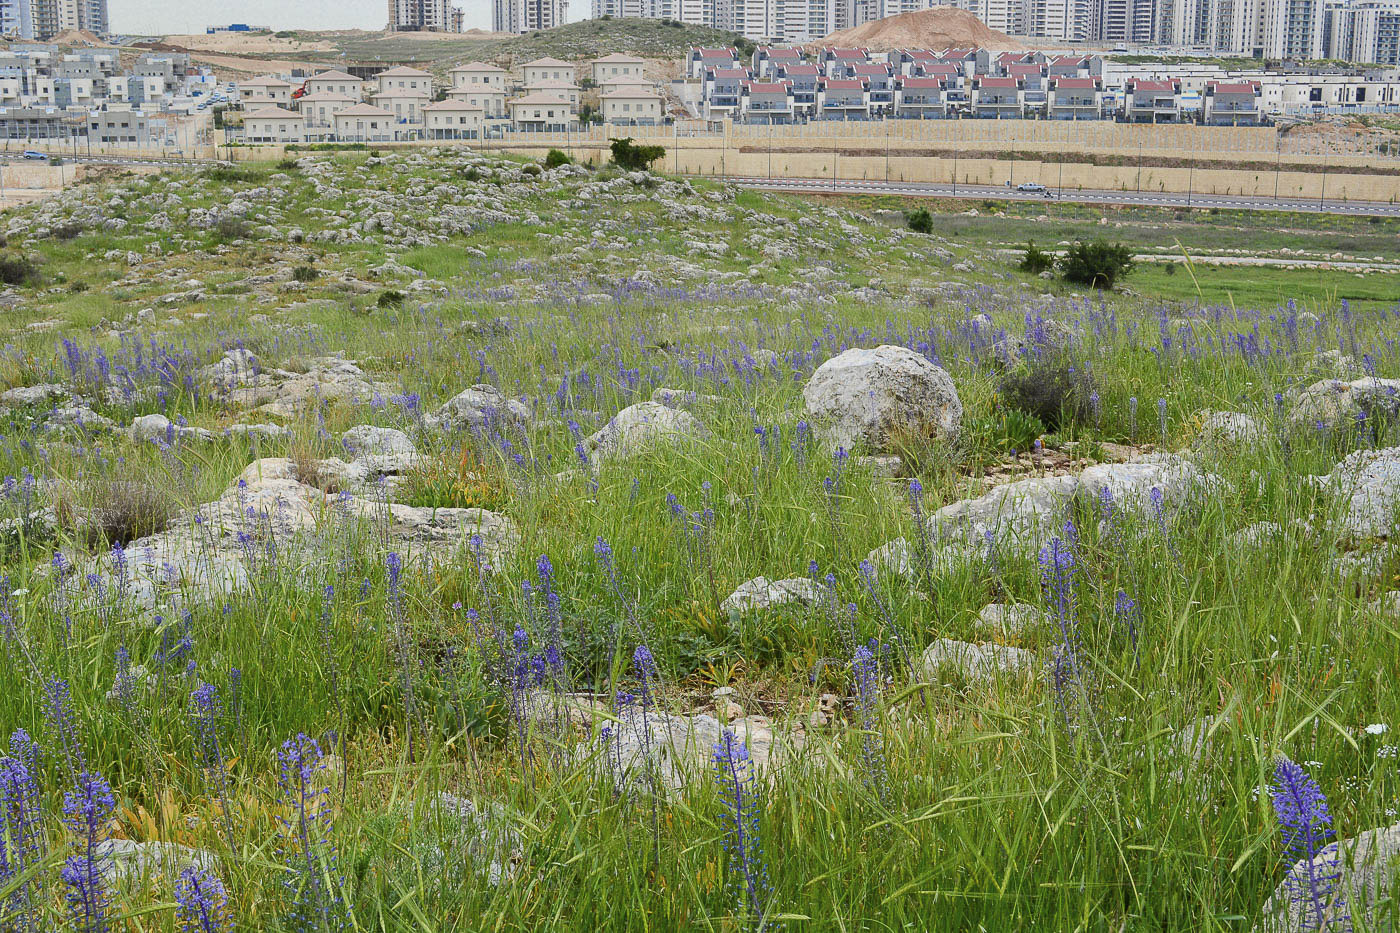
1321,198
1190,176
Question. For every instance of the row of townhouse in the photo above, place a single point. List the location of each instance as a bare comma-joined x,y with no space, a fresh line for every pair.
40,76
780,85
399,103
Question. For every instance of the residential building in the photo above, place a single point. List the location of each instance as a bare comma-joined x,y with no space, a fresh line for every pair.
541,113
700,61
521,16
843,99
264,91
633,106
420,16
337,83
274,125
490,100
1294,29
478,75
452,119
722,89
17,19
565,90
766,59
1232,104
920,98
616,66
1366,31
766,102
34,123
1152,101
996,98
118,127
1074,99
546,69
364,123
405,82
319,109
802,80
406,108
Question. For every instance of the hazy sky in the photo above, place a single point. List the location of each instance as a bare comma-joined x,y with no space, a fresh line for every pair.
185,16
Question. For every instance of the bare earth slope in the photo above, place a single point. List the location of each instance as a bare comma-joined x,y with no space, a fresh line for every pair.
938,28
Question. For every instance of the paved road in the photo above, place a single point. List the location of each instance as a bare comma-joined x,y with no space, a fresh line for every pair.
1001,193
109,159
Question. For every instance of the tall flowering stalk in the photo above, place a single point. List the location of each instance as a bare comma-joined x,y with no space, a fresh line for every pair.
206,718
1306,824
741,821
58,711
865,670
20,828
647,677
306,845
393,567
1058,569
87,809
201,902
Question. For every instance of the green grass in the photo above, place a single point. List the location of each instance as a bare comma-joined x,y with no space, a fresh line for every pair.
992,813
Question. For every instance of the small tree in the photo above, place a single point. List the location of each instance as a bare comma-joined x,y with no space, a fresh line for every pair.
920,221
1036,260
554,158
1098,264
632,157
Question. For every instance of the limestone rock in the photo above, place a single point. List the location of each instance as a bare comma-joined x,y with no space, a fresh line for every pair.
974,661
638,426
875,398
478,407
1366,866
761,593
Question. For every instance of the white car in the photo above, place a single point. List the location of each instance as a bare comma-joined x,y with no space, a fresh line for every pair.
1031,187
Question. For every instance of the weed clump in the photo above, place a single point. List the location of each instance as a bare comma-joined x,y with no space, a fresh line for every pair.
109,510
390,298
18,269
1051,389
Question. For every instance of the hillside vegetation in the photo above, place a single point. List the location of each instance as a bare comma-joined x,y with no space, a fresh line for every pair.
436,541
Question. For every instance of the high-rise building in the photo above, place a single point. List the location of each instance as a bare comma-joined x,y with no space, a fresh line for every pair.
420,16
51,17
1365,31
1294,29
521,16
17,19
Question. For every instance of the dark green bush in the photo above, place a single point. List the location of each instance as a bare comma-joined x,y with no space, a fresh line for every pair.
920,220
390,299
1098,264
632,157
305,274
554,158
231,228
1036,260
17,269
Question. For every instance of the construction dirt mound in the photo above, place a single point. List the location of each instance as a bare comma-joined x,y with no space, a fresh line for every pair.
938,28
73,38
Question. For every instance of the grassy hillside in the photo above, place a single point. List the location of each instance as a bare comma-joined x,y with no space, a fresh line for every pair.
373,524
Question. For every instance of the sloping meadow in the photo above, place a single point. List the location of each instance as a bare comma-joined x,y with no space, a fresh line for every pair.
381,536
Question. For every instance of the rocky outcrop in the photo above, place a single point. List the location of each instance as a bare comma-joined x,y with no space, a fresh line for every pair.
639,426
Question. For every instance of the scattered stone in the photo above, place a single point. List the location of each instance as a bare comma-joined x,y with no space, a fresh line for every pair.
1226,431
1012,618
1365,870
380,451
486,833
124,861
975,662
761,593
639,426
476,408
33,395
1021,516
147,428
878,398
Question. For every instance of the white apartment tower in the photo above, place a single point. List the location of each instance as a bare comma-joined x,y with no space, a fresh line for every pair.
521,16
420,16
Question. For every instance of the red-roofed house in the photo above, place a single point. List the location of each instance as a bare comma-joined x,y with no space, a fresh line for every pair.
1233,103
881,79
834,61
802,79
698,61
843,99
996,98
722,90
766,59
1152,101
766,102
920,98
1074,99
